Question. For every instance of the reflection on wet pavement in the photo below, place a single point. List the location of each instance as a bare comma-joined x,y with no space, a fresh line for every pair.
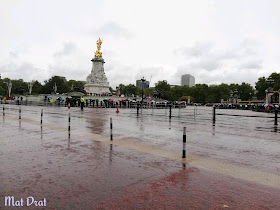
142,167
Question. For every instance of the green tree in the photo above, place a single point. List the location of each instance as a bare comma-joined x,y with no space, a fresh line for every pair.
2,91
186,90
71,83
149,92
19,87
261,86
213,95
37,88
176,92
263,83
217,92
120,88
224,91
4,86
131,89
199,93
276,80
61,84
163,90
246,91
185,98
111,89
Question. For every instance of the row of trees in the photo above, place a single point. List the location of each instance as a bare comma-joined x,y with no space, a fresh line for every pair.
200,93
21,87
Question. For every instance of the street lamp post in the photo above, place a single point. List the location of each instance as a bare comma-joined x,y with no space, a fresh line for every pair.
143,80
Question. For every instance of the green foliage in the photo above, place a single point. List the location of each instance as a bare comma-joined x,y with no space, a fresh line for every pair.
184,98
246,91
261,86
149,92
2,91
19,87
36,88
75,83
200,93
276,80
131,89
263,83
120,88
62,86
163,90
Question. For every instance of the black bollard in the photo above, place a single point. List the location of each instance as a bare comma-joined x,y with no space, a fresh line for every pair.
69,119
170,106
275,120
138,108
3,111
41,116
184,143
214,113
111,129
19,113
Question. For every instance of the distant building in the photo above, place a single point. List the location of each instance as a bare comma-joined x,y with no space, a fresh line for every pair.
187,79
146,84
172,86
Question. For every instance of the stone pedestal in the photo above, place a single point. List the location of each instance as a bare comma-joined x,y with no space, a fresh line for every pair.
96,88
97,81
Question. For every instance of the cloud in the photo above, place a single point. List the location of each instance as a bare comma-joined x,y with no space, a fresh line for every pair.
67,49
69,70
113,29
212,65
128,74
26,71
208,65
254,64
198,50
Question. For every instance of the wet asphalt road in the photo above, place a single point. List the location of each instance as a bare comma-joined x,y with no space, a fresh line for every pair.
234,163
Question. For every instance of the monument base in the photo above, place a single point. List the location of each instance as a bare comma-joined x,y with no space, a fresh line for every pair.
96,88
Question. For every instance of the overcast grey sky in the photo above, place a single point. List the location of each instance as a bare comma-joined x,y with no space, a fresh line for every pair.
214,40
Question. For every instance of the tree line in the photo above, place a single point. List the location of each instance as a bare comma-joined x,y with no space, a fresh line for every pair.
20,87
203,93
200,93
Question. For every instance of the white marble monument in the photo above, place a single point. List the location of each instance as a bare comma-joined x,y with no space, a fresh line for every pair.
97,80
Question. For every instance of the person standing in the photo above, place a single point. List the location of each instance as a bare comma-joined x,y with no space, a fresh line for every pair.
82,103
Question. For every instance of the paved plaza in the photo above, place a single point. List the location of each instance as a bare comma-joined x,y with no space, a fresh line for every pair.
232,164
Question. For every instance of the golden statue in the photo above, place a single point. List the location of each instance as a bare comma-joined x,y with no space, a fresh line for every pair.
98,53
